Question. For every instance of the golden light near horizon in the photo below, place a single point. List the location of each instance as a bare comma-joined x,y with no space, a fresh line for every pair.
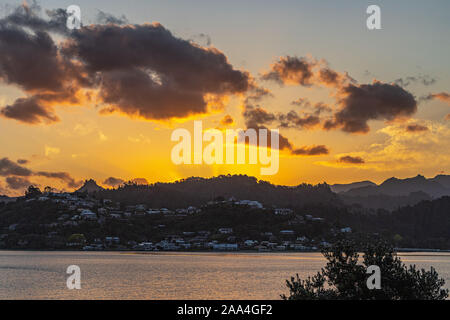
95,108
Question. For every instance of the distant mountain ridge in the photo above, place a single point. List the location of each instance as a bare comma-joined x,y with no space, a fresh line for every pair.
338,188
435,187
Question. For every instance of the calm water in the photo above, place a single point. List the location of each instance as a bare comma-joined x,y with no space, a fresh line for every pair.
115,275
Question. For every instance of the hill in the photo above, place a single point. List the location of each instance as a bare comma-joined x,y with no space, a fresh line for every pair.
196,191
90,186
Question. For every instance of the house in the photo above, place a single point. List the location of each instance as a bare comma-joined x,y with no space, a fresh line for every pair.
250,203
346,230
112,240
140,207
225,230
250,243
283,211
225,246
287,232
88,214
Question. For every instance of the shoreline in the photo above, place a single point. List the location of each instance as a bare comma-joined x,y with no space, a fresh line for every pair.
397,250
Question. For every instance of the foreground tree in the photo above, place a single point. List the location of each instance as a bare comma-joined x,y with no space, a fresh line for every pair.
343,278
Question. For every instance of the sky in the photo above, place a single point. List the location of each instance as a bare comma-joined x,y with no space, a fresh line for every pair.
101,102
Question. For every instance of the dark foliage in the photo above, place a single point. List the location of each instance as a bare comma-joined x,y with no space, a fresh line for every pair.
344,278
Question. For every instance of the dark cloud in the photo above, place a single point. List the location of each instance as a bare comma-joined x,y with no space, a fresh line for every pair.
301,102
305,72
311,150
139,70
146,71
377,101
291,70
293,120
227,120
107,18
17,183
29,15
8,167
352,160
257,116
63,176
113,182
22,161
140,181
202,37
443,96
29,110
422,79
415,127
30,61
256,94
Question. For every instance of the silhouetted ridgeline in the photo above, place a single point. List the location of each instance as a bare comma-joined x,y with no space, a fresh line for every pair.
197,191
393,193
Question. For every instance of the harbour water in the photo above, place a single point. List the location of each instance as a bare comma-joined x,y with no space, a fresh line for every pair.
167,275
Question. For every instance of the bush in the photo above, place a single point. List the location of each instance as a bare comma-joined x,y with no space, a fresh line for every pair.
343,278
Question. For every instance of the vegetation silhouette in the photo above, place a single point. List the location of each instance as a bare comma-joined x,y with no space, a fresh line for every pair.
343,278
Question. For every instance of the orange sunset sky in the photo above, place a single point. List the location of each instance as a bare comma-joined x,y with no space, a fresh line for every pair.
351,104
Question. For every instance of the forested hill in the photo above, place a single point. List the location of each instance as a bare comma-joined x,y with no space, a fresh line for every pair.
196,191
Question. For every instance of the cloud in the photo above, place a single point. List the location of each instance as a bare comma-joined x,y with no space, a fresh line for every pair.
107,18
422,79
8,167
17,183
22,161
311,151
11,169
64,176
48,150
148,72
293,120
139,181
291,70
29,110
306,72
113,182
138,70
352,160
377,101
257,116
356,104
404,152
415,127
443,96
227,120
301,102
28,15
447,117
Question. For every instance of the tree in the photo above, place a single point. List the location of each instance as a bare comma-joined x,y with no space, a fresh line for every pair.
77,238
32,192
48,189
344,278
